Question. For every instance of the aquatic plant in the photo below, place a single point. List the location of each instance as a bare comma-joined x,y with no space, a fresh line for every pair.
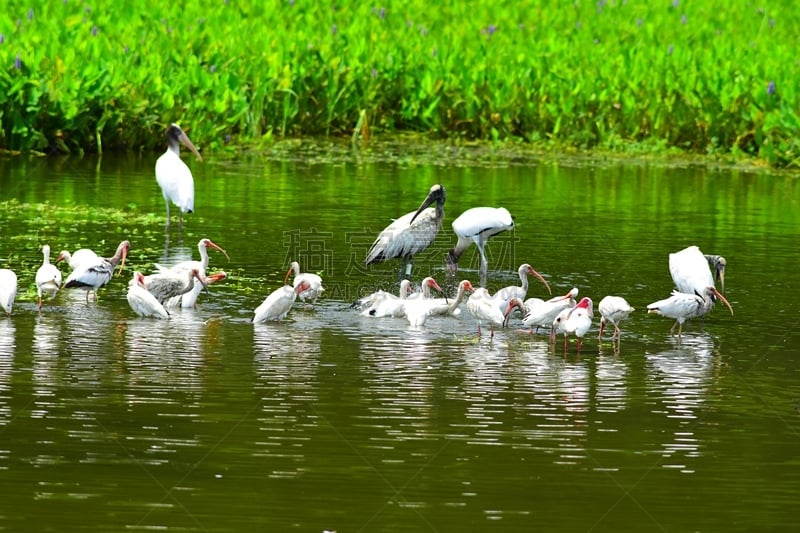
680,74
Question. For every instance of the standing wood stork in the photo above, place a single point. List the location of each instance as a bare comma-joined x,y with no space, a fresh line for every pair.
477,225
315,289
576,320
142,301
48,278
92,275
502,296
8,289
613,309
410,234
690,272
482,306
682,306
172,174
189,299
81,256
277,305
172,284
541,313
418,311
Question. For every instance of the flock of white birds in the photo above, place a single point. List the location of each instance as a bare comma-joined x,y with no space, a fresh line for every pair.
180,285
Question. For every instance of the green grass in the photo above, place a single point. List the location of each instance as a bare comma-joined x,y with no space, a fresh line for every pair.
709,77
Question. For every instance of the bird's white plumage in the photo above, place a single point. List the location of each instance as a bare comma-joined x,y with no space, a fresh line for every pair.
189,299
278,304
542,313
680,306
382,304
613,309
477,225
575,321
175,180
419,310
504,295
484,308
8,289
315,288
48,277
91,275
142,301
690,271
78,258
166,285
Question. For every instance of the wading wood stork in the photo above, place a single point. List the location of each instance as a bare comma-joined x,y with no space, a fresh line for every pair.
189,299
74,260
277,305
502,296
173,176
541,313
381,303
92,275
418,311
691,274
142,301
314,282
477,225
682,306
8,289
483,306
171,284
410,234
576,320
613,309
48,278
202,246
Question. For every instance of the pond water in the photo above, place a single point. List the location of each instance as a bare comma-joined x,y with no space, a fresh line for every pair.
331,421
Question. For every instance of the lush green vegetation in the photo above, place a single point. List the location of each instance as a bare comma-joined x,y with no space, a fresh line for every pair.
709,77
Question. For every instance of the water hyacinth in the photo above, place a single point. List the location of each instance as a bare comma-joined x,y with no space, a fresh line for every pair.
2,38
30,14
17,62
683,19
94,31
770,88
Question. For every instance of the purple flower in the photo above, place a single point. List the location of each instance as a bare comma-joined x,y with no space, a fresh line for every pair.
434,52
771,23
578,25
600,5
17,62
88,9
94,30
227,138
676,3
374,73
683,19
770,88
212,68
639,22
334,29
423,30
490,29
30,14
125,50
382,13
409,23
2,38
291,2
670,50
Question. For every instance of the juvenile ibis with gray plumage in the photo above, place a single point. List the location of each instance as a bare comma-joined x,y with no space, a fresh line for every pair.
92,275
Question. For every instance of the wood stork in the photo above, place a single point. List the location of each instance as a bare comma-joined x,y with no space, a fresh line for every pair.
81,256
576,320
48,278
92,275
682,306
477,225
482,306
411,233
315,289
142,301
418,311
691,274
171,284
277,305
381,304
541,313
188,300
172,174
8,289
613,309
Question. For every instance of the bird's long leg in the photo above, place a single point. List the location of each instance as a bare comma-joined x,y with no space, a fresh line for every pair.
479,329
580,343
484,264
166,201
565,342
617,331
672,329
602,325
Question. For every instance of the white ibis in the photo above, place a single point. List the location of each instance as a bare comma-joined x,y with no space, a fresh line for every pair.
314,281
142,301
477,225
172,174
189,299
613,309
277,305
682,306
424,291
8,289
690,272
48,277
541,313
92,275
483,307
411,233
81,256
418,311
382,304
576,320
202,246
172,284
502,296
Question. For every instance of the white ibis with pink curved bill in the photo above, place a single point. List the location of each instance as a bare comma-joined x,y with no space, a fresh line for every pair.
575,321
410,234
315,288
682,306
48,278
174,176
142,301
613,309
277,305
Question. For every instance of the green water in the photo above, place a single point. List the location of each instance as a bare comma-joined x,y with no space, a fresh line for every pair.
332,421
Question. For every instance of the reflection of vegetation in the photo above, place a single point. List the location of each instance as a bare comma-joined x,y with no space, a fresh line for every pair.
710,77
